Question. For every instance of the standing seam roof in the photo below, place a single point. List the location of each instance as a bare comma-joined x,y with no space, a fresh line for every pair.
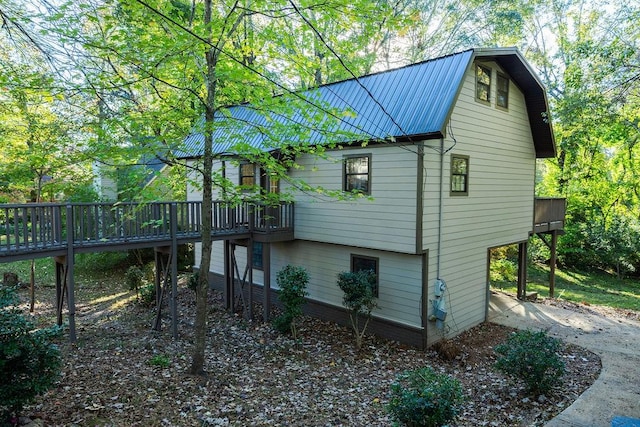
415,100
418,97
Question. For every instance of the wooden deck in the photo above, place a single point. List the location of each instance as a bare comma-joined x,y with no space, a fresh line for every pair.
38,230
49,229
549,214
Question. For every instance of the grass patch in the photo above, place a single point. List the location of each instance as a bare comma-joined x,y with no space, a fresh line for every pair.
595,288
88,267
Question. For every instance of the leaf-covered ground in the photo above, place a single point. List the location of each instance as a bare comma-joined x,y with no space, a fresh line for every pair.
121,373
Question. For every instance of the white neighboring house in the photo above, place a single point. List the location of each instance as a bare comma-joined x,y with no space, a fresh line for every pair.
457,180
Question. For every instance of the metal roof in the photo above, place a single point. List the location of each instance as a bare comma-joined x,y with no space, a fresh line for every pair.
413,102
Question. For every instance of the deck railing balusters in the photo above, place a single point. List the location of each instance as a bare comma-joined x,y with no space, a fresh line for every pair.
47,227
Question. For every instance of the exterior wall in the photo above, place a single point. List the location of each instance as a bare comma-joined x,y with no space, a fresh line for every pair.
498,210
385,222
400,275
499,207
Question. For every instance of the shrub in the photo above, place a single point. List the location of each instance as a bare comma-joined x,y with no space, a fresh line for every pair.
29,362
359,299
533,358
134,277
148,295
423,397
192,283
292,282
160,360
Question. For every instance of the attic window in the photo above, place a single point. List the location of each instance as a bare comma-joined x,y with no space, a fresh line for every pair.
483,83
357,174
459,175
502,91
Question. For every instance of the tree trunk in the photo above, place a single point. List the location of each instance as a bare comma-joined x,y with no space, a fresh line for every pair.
200,332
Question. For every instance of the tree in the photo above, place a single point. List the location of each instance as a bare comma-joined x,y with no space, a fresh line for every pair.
359,298
592,71
161,69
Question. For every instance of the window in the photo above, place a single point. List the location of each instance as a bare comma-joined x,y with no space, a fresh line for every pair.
502,91
459,175
483,83
357,174
270,184
257,259
366,263
247,174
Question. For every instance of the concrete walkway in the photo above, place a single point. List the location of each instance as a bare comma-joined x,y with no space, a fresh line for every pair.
616,393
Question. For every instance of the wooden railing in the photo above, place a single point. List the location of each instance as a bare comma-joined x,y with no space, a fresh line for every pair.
49,228
549,214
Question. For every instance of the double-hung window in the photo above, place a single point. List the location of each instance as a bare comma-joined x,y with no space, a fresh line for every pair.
247,174
502,91
366,263
483,83
257,256
357,174
459,175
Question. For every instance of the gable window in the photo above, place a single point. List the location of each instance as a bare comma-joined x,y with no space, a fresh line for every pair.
247,174
459,175
366,263
483,83
502,91
357,174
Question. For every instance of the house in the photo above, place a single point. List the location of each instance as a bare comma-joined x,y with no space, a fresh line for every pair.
450,170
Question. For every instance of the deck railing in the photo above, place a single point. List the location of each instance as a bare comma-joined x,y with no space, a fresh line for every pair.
549,214
50,227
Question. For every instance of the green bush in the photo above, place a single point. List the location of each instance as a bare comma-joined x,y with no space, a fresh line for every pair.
192,283
423,397
292,282
359,298
29,362
503,270
160,360
148,295
134,278
533,358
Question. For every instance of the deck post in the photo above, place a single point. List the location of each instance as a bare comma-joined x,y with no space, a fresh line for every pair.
174,269
71,301
552,262
266,288
61,285
522,270
252,218
228,280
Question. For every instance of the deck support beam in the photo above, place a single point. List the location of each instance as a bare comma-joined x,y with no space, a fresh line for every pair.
522,270
266,290
71,300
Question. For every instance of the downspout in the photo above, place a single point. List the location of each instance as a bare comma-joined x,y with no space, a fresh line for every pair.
439,305
440,202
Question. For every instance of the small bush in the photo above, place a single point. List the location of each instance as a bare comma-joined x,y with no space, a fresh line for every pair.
29,362
533,358
192,283
134,277
160,360
148,295
292,282
359,299
423,397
